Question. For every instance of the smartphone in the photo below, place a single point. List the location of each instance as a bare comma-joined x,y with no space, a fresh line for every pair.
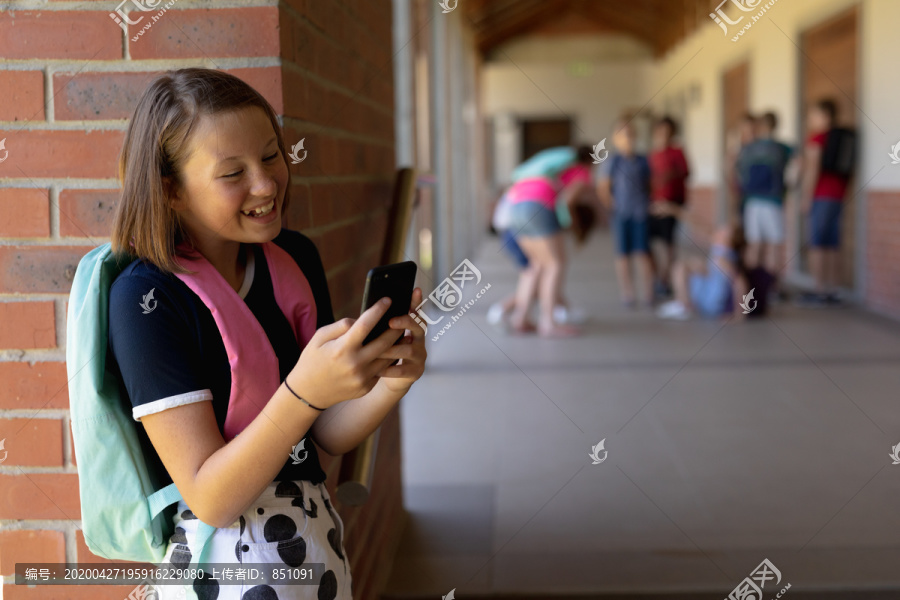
397,282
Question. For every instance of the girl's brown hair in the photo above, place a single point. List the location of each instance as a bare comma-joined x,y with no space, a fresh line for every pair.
155,151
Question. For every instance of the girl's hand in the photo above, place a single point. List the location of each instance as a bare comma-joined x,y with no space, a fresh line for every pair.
335,366
411,352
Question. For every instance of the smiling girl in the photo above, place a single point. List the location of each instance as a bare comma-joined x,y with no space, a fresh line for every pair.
222,330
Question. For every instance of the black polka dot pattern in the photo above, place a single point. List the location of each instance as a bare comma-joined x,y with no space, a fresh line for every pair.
279,528
337,534
181,556
288,489
260,592
282,529
313,511
328,586
335,542
206,587
188,515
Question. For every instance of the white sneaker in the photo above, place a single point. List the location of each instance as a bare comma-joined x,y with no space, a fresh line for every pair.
674,310
568,316
495,314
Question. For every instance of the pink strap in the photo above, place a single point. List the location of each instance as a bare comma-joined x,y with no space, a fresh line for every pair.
254,365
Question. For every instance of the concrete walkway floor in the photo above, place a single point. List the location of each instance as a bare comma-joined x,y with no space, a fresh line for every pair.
729,443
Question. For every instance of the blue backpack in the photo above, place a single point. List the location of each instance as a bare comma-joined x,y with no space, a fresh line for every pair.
761,165
122,501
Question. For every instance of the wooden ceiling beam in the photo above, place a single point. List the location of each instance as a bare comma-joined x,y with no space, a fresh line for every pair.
537,14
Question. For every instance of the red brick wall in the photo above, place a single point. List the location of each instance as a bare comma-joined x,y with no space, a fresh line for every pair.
702,203
882,249
72,81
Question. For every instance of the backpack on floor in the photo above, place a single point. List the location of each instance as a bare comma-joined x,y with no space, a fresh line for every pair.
839,152
122,501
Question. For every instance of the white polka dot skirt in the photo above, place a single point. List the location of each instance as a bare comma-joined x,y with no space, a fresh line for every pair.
290,525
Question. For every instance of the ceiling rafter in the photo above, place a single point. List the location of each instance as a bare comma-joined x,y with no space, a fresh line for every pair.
661,24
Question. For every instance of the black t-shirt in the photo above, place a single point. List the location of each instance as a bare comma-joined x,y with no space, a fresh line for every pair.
174,354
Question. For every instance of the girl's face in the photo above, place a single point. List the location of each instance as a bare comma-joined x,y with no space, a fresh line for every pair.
233,181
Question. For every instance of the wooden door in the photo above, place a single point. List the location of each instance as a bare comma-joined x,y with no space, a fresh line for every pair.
736,104
540,134
829,70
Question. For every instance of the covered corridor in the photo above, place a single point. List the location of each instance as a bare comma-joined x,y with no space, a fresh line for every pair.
728,443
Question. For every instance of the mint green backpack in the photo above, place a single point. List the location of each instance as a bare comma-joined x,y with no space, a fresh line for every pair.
122,502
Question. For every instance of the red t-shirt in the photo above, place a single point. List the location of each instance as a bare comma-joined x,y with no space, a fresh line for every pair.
829,187
668,171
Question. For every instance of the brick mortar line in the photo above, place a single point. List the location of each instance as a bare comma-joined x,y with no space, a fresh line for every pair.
34,525
7,414
67,183
59,315
54,211
31,356
49,111
27,297
128,65
38,470
49,242
41,5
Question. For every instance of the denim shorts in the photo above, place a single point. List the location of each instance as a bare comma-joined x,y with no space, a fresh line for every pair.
532,219
631,235
825,223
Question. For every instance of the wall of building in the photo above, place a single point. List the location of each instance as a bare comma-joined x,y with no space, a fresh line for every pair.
771,46
68,82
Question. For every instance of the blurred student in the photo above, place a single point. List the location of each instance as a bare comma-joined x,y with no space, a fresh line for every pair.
828,162
533,218
624,185
714,287
500,222
761,167
738,139
669,171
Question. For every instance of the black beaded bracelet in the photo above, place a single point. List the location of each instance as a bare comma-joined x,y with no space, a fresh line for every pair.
301,399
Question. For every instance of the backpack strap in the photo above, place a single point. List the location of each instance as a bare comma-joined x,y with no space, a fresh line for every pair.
167,496
162,498
204,532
